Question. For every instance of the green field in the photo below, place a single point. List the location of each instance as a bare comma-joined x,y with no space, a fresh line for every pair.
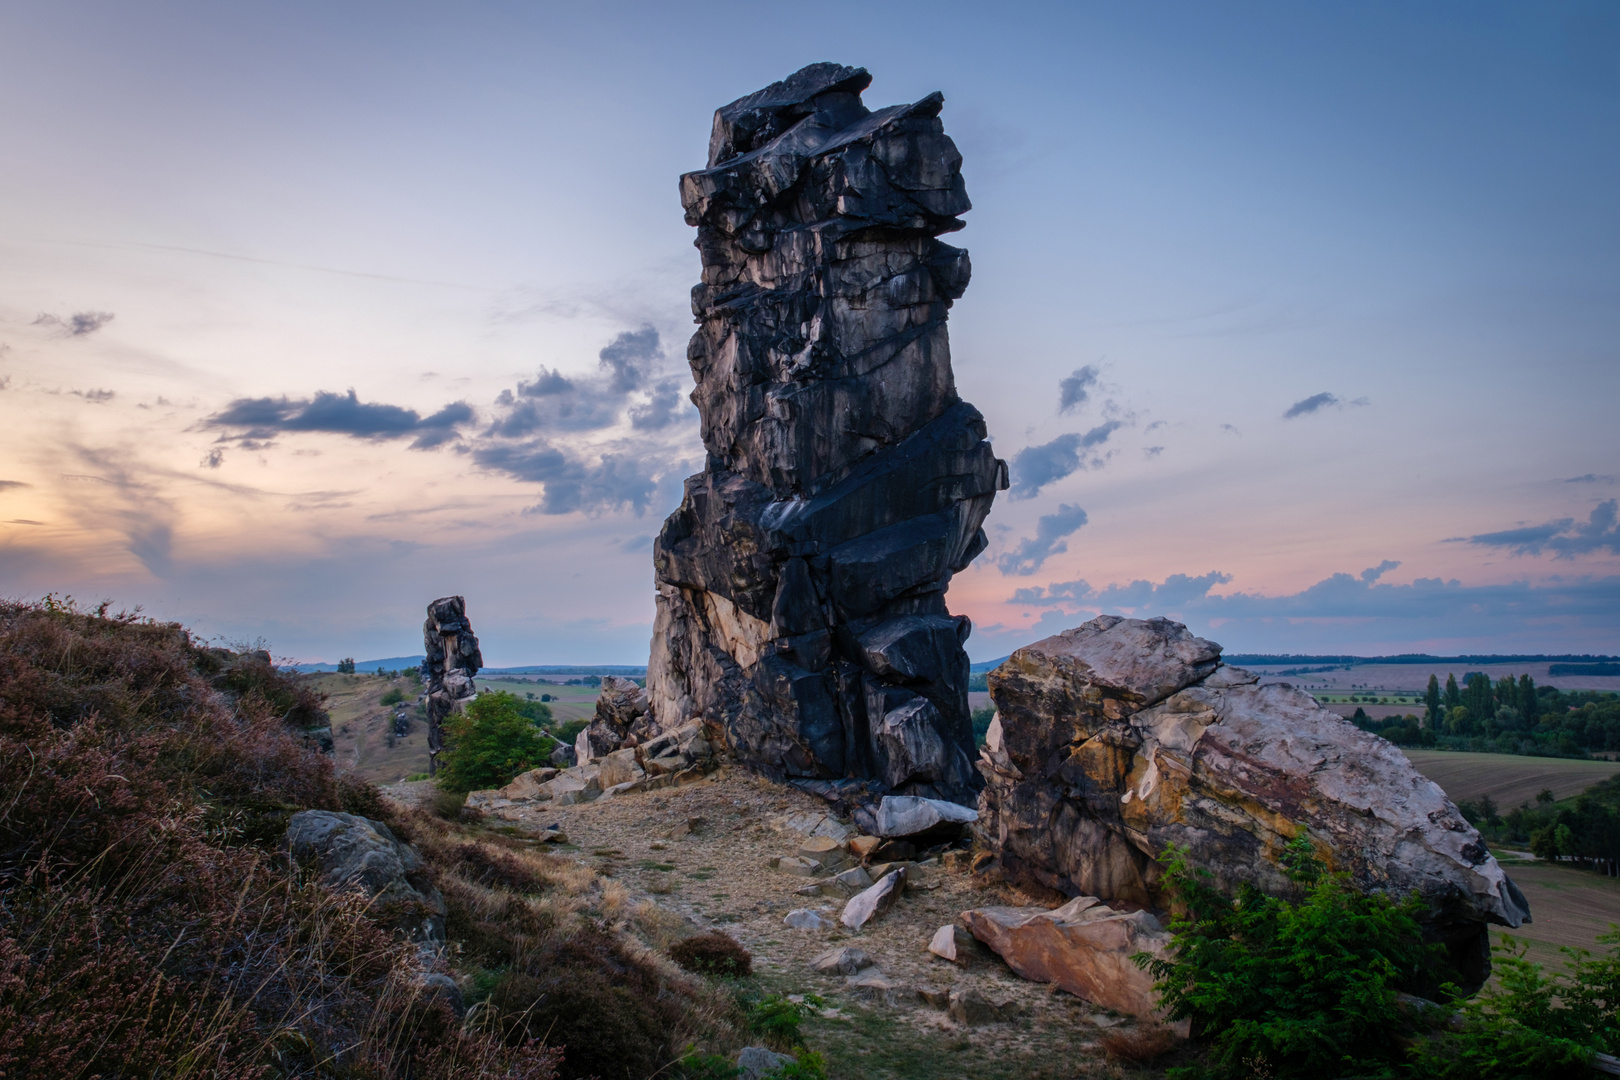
1508,779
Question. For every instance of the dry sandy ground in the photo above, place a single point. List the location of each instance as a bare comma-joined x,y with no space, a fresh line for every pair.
717,877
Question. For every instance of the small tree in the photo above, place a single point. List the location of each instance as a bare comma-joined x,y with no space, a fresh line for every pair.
489,742
346,666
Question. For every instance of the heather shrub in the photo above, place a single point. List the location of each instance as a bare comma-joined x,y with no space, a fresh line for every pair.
713,954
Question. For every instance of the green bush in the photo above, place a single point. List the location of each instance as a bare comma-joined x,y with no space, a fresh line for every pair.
488,743
778,1019
394,696
569,730
1526,1024
1304,989
981,724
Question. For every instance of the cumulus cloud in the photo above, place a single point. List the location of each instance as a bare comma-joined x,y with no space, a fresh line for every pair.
1036,466
1033,551
573,480
662,408
79,324
1075,390
626,369
1373,573
1565,538
252,421
1168,595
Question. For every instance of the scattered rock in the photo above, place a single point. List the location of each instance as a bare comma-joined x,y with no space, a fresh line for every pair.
953,943
844,961
529,785
619,767
805,919
871,903
754,1062
801,583
1122,735
862,847
825,851
877,987
620,705
1084,947
798,867
356,852
437,986
564,756
969,1007
895,851
935,997
685,828
852,881
924,820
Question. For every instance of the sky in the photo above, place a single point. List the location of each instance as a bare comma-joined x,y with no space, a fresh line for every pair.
1297,322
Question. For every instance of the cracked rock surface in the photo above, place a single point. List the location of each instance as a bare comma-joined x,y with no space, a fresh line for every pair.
1118,737
801,585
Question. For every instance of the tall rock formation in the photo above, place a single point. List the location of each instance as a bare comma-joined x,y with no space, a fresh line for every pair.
1120,736
801,584
451,662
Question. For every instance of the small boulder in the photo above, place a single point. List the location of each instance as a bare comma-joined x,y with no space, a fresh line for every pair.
845,961
877,987
528,785
862,847
356,852
620,767
894,851
851,881
805,919
913,816
969,1007
564,757
755,1062
876,900
798,867
826,851
951,942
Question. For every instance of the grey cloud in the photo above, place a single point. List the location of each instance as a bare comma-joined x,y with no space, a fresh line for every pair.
1373,573
1033,551
255,420
79,324
1036,466
546,383
1153,451
1565,538
213,459
663,408
1232,429
1309,405
572,483
1075,390
97,397
631,357
23,521
7,485
1590,478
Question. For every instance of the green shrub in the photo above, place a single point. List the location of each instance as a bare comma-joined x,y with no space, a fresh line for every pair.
488,743
981,724
1304,989
394,696
1526,1024
569,730
696,1066
713,954
778,1019
807,1065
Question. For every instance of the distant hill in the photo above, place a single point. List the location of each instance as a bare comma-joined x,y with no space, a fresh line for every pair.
397,663
387,663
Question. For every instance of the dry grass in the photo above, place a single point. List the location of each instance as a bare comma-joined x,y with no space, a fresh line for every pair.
1144,1042
150,924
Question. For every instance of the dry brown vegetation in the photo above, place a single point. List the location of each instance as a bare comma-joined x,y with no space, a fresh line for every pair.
150,926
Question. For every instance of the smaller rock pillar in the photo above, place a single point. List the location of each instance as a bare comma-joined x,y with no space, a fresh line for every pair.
452,659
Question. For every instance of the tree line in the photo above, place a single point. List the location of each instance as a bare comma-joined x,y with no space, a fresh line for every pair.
1510,715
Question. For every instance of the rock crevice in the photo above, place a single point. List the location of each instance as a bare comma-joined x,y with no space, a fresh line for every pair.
801,585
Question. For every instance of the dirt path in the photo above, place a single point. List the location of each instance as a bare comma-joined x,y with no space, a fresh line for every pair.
717,877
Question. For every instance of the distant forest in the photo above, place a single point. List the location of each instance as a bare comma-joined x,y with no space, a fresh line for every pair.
1508,716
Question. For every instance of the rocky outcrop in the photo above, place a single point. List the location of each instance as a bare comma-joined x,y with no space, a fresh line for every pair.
1123,735
352,852
801,584
621,718
452,659
1085,947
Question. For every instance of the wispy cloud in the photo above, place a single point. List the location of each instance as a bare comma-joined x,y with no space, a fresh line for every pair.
7,485
1036,466
1565,538
1590,478
79,324
1075,390
1318,402
1033,551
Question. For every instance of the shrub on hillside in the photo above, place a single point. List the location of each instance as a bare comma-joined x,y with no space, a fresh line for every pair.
1304,989
489,742
713,954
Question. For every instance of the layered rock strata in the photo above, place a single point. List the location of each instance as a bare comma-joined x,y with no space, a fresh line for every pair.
801,585
621,719
1123,735
452,659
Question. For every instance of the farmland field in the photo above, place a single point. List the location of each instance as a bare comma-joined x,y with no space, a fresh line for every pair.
569,702
1508,778
1567,907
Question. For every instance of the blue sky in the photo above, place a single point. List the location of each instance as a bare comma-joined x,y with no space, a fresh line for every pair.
1297,321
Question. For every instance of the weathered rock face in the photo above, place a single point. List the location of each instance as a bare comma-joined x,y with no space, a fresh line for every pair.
1118,737
801,585
451,662
621,717
356,852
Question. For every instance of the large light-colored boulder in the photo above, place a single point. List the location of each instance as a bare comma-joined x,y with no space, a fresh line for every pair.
619,767
913,815
1123,735
844,961
529,785
1085,947
869,904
